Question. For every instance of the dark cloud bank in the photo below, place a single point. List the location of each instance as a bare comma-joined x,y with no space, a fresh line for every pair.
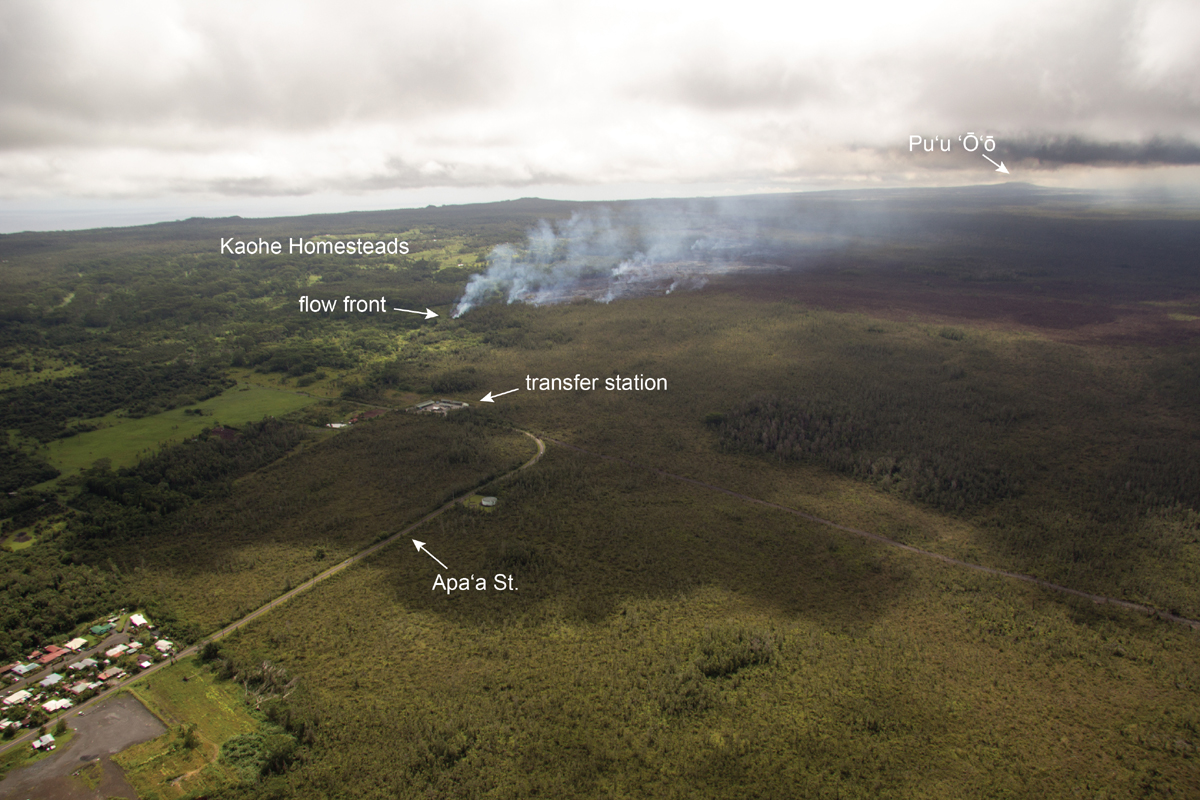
1064,150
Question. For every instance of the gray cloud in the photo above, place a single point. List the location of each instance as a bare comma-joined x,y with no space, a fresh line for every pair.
182,73
1059,150
291,98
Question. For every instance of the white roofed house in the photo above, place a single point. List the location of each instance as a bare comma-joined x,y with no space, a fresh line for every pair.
76,644
50,680
137,620
163,645
57,705
116,651
17,698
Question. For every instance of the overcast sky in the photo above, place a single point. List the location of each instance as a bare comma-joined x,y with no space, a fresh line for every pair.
121,112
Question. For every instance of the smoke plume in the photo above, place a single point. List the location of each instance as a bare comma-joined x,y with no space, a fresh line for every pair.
596,257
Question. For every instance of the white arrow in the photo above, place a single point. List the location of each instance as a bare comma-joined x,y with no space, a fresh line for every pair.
421,546
487,398
999,167
428,314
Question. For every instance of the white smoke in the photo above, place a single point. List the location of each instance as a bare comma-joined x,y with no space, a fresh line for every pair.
591,256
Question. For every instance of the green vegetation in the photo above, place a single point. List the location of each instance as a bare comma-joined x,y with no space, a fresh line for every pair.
45,411
201,714
281,526
18,469
23,755
671,641
123,443
999,384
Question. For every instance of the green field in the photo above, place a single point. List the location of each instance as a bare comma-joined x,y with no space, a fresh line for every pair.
128,439
181,696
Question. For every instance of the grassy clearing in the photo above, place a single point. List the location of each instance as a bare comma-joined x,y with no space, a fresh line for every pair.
183,696
126,440
48,368
12,544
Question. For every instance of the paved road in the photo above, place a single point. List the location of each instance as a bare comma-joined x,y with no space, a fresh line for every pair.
875,537
61,664
354,559
283,598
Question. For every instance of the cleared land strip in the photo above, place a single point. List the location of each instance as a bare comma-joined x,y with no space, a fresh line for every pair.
1096,598
283,598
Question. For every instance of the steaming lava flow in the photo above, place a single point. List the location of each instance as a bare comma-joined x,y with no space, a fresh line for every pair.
565,283
597,258
664,278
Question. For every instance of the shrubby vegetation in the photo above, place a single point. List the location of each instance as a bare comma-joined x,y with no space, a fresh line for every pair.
896,440
19,469
134,501
664,648
667,640
45,411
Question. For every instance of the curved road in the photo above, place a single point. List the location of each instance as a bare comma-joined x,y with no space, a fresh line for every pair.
541,449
